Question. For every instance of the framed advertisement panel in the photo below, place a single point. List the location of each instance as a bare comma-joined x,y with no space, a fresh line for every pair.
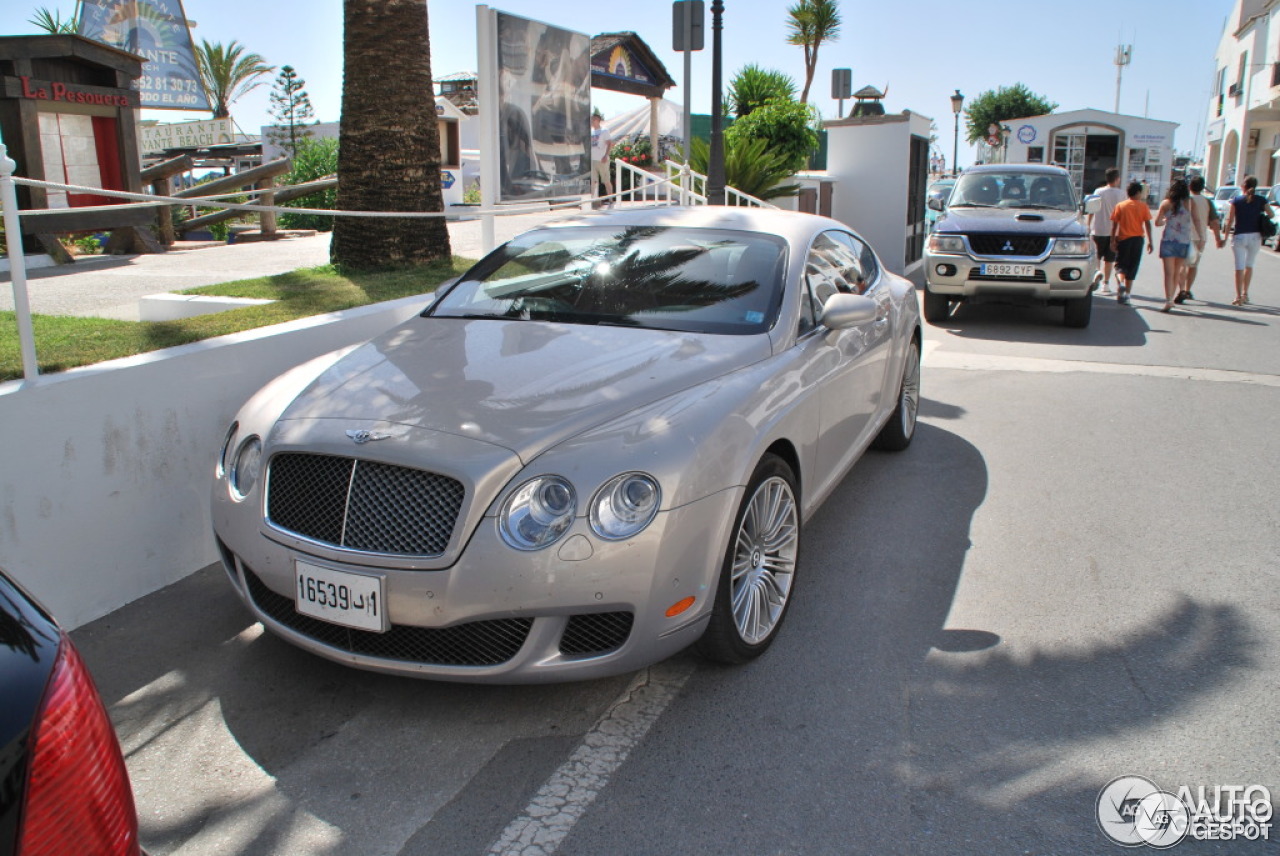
157,31
543,106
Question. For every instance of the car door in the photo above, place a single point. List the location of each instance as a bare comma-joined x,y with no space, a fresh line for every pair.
846,385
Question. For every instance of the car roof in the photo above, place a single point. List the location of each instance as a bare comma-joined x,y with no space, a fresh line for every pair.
1035,168
793,226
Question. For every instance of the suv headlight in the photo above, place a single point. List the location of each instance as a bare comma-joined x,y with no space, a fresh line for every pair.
1071,246
624,506
246,467
946,243
537,513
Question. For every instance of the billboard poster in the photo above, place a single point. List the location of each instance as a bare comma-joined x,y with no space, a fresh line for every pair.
544,110
157,31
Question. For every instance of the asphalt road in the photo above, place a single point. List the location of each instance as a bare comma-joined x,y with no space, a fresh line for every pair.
1070,576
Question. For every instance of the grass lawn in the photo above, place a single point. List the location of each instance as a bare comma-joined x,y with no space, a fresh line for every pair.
63,342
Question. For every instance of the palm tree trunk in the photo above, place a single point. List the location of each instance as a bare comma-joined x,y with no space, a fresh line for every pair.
389,147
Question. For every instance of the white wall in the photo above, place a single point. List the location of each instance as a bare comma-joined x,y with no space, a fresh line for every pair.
870,161
105,472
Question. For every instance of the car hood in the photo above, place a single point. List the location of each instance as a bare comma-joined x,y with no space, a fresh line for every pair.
1004,220
522,385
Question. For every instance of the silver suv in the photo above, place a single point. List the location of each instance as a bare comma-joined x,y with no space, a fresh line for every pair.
1011,233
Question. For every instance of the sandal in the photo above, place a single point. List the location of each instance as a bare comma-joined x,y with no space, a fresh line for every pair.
1168,306
1182,297
1237,302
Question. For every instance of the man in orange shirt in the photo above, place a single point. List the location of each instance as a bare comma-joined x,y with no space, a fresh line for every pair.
1127,223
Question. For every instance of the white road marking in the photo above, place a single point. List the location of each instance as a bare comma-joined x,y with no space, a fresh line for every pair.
935,358
562,801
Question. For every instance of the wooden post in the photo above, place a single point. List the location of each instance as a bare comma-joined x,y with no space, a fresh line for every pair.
160,177
267,219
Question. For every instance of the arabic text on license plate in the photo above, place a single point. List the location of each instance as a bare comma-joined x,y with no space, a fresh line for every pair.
352,600
1008,270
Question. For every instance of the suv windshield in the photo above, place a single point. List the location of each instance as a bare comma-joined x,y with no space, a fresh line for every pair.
693,280
1013,189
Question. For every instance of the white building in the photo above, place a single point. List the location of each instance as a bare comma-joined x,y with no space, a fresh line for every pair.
1088,142
1243,129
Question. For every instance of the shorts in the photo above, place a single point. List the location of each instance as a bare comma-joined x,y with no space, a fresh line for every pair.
1245,246
1129,257
1103,243
1174,249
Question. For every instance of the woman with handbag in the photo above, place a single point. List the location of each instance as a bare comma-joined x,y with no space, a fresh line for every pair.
1248,216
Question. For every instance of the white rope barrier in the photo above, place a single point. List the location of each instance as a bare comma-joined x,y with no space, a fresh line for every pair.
152,201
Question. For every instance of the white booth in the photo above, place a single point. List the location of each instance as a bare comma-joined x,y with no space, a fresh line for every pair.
1088,142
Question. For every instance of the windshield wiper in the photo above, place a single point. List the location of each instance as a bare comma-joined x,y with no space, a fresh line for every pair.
1042,205
972,205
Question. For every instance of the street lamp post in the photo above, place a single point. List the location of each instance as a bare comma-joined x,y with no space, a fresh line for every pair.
957,104
715,157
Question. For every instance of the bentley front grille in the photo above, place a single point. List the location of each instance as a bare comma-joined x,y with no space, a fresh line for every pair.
362,505
476,643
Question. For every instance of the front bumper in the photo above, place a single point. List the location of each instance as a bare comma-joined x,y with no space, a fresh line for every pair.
1053,278
582,608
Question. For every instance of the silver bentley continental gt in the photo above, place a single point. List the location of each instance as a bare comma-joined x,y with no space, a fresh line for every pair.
596,448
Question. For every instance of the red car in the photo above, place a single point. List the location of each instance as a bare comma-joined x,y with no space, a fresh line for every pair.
64,790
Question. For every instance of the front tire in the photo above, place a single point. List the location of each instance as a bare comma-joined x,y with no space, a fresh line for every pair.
1076,311
760,562
936,307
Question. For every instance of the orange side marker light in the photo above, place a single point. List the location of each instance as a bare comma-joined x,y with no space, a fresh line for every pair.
680,606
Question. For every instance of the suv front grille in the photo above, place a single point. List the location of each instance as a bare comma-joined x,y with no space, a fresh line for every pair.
477,643
363,505
1008,245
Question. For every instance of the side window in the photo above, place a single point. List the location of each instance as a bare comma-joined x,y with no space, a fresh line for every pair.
862,268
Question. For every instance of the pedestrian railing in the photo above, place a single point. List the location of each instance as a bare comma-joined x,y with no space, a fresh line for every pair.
695,184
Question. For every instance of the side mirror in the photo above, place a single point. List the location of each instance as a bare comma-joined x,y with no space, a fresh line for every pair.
847,310
935,203
1092,204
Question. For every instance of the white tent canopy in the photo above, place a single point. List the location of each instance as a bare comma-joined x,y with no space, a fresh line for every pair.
635,122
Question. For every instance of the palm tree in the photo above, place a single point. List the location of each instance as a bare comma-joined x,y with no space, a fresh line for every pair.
752,86
229,74
53,23
809,24
389,146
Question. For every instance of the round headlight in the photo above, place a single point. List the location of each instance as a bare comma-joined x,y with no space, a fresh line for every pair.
537,513
624,506
223,463
247,466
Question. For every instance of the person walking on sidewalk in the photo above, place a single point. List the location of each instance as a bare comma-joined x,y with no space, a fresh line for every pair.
1204,217
1246,236
1128,221
1180,228
601,143
1109,195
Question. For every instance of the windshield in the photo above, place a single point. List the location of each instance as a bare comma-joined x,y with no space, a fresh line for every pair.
1227,192
1013,189
692,280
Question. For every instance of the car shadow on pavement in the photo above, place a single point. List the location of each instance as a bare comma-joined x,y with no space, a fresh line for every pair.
875,726
1111,325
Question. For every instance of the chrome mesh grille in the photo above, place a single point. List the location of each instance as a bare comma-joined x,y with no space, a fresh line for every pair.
596,633
477,643
1008,245
363,505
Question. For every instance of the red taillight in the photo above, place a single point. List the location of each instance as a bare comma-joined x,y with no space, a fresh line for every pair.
78,795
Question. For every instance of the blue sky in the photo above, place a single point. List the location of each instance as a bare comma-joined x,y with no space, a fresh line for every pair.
922,50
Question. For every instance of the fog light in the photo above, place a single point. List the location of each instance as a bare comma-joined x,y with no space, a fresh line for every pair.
1071,274
945,270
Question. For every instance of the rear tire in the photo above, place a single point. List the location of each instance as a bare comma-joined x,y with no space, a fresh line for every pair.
1077,310
936,307
897,432
756,578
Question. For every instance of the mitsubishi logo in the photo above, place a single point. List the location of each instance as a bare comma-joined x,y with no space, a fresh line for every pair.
362,436
1007,248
